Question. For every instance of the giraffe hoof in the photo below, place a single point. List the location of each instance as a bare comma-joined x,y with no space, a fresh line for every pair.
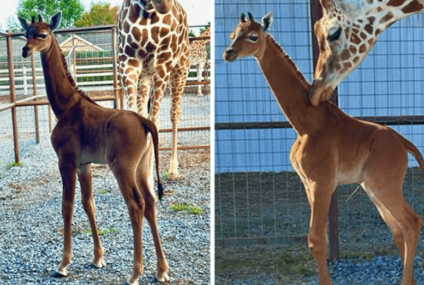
174,176
57,274
163,279
100,263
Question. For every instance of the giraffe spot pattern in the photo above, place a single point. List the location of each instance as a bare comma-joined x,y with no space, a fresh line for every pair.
395,3
387,17
368,28
412,7
345,54
159,38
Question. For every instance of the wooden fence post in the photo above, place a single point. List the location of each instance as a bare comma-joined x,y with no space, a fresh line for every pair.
12,95
34,92
316,14
24,75
118,98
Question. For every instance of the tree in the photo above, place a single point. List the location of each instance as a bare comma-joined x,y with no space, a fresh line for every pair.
71,10
12,24
205,28
100,14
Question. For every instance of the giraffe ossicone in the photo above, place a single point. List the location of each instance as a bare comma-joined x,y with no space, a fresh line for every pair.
154,51
346,33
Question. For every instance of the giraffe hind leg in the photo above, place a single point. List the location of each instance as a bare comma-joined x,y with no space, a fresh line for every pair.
177,89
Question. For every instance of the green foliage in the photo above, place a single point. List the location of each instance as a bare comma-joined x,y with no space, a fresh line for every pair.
14,164
205,28
100,14
12,24
186,207
71,10
110,230
166,175
191,34
194,210
101,191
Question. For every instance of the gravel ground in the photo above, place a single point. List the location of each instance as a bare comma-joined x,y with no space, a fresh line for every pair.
385,270
31,231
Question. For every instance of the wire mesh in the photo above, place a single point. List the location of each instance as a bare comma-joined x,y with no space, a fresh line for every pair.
259,197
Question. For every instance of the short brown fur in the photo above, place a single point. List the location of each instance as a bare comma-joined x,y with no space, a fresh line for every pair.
333,148
87,133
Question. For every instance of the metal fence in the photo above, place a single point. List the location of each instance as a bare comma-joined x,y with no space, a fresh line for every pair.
91,57
259,198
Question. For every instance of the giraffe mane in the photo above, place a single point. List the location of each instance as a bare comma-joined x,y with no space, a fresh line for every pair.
69,76
291,63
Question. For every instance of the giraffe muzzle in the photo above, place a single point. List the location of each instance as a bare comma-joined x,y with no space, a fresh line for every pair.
26,51
319,93
230,55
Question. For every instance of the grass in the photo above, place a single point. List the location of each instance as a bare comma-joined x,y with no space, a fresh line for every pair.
14,164
166,175
265,261
101,191
188,208
110,230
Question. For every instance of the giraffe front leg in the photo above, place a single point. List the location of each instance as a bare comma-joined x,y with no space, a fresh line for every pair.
67,171
177,88
143,97
200,68
129,81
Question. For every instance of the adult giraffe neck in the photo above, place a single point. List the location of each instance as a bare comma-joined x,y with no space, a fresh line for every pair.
290,88
62,91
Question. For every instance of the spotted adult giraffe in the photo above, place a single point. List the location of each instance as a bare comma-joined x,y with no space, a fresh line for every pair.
199,56
347,32
154,49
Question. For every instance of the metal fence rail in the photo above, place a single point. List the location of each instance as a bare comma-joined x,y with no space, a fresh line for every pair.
259,197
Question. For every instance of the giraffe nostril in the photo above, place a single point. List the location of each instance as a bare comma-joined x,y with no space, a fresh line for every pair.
230,51
25,51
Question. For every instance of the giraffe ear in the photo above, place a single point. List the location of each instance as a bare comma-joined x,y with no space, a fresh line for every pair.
55,21
242,18
24,23
267,22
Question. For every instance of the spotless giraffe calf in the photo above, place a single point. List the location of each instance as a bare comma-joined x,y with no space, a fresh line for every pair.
87,133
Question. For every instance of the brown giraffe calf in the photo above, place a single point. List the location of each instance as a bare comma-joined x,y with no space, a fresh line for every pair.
87,133
333,148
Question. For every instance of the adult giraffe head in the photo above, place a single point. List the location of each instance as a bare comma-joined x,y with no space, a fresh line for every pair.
346,33
39,34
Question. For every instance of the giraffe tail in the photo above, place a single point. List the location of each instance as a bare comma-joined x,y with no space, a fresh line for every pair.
411,148
151,127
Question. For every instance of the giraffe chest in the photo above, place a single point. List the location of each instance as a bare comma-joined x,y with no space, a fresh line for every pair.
153,39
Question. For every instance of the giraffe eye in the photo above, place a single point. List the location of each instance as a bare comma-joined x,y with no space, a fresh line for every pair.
42,36
336,35
253,38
